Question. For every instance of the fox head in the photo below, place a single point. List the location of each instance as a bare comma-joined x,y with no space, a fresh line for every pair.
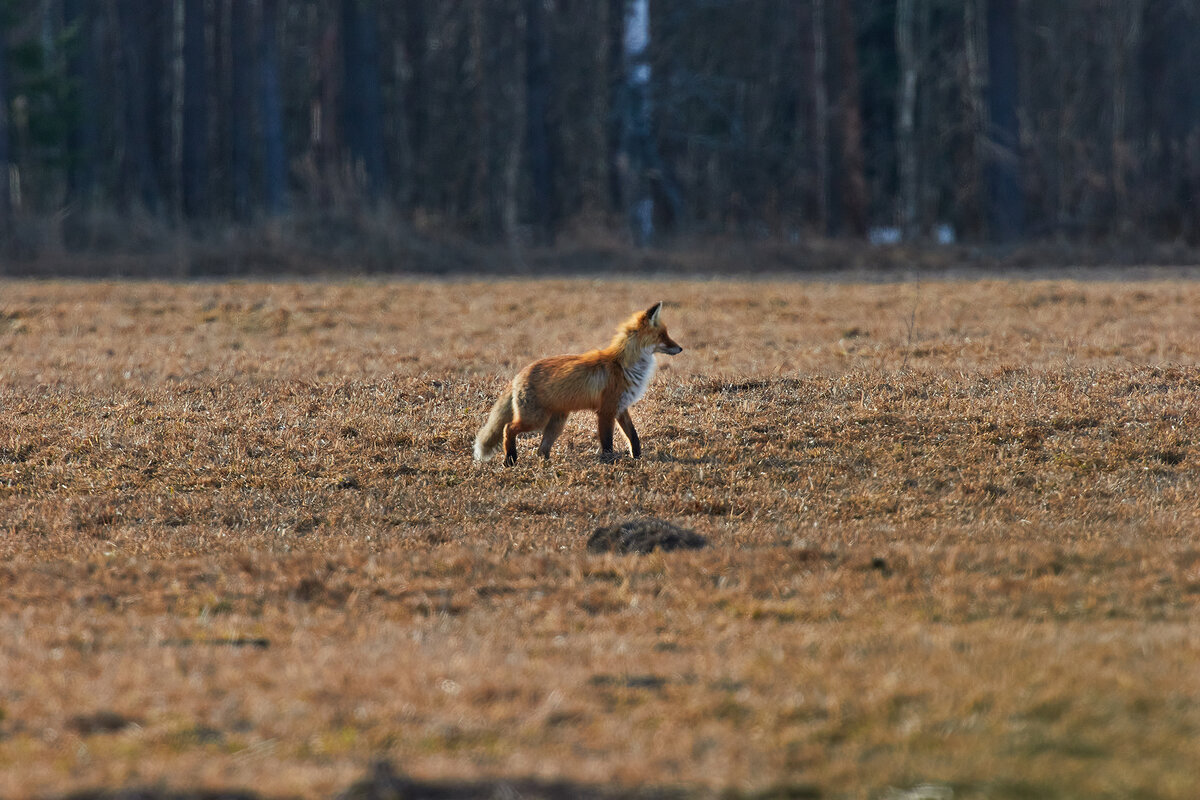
648,331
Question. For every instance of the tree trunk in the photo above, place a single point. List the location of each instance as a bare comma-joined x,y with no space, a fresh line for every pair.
814,117
1126,31
906,146
194,153
326,132
397,113
271,109
853,183
1172,98
485,204
635,140
416,100
83,136
362,105
614,123
510,154
595,151
157,46
138,173
6,222
968,189
1006,205
241,107
537,110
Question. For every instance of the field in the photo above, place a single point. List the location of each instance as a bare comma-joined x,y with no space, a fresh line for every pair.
953,526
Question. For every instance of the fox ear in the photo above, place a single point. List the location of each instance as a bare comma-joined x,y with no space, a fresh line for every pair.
652,313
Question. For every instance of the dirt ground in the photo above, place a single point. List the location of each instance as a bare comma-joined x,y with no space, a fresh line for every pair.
951,526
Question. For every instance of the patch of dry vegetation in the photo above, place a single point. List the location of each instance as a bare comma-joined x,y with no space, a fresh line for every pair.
951,527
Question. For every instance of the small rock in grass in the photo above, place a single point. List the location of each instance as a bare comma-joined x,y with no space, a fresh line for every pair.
99,722
644,536
347,482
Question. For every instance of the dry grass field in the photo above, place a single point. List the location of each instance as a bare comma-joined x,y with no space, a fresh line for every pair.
954,539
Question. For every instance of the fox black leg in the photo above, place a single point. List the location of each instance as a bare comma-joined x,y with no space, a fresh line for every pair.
626,423
605,432
550,433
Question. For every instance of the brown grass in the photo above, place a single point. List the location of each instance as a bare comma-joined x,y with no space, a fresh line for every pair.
952,536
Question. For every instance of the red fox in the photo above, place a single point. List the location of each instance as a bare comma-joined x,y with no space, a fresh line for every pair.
606,381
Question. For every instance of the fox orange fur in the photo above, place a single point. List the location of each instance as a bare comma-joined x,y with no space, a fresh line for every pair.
607,381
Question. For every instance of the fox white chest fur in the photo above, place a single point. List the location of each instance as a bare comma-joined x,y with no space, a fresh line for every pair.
639,376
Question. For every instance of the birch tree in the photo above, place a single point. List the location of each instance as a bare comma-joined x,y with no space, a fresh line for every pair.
636,136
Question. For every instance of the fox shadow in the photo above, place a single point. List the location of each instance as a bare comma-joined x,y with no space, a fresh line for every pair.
383,782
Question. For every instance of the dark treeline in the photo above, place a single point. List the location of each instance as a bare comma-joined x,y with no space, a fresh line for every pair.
519,120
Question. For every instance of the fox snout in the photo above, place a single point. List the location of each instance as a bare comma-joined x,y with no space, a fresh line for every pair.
668,346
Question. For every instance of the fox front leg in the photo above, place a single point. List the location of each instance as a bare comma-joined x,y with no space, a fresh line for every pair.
626,423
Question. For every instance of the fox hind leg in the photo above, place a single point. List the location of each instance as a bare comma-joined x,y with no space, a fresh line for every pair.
510,440
510,444
523,423
554,427
604,430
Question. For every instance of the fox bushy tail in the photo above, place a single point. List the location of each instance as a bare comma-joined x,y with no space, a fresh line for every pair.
490,438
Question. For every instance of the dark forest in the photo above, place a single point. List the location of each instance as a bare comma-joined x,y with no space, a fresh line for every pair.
531,122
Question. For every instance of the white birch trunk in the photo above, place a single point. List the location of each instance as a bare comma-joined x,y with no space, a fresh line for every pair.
637,119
